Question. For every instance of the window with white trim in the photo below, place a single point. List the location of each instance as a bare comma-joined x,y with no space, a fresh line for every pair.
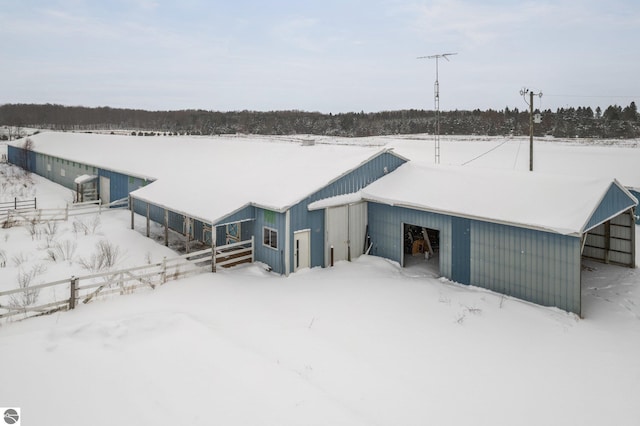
270,237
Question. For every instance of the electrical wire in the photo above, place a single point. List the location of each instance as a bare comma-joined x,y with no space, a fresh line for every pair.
484,153
515,161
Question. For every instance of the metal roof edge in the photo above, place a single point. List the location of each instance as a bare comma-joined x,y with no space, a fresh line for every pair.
110,169
378,153
615,182
146,200
566,232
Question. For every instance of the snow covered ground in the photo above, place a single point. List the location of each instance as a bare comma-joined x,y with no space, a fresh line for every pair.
363,343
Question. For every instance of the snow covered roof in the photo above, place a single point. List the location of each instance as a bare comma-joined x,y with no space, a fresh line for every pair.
618,159
338,200
561,204
84,179
211,177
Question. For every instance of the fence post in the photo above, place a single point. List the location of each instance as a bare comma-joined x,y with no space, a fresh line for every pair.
131,204
163,274
72,297
213,257
35,203
331,255
15,203
253,249
66,212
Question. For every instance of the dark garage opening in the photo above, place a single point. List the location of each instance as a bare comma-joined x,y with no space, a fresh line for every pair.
421,248
612,242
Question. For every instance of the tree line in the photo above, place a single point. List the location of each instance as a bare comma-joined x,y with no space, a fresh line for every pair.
613,122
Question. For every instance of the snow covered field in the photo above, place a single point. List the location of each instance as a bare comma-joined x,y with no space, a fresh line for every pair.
363,343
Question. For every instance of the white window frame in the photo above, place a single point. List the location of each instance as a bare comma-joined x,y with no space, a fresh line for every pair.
273,239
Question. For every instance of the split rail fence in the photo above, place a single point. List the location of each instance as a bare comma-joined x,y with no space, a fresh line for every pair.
17,206
89,287
24,212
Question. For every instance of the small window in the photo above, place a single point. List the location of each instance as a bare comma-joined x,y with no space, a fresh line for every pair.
270,237
131,180
62,172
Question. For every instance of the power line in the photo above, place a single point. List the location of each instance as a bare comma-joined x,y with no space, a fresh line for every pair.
592,96
485,153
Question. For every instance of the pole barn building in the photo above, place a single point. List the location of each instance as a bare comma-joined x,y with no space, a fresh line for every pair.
220,190
522,234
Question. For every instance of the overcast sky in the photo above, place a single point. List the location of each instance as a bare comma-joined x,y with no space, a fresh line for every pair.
321,55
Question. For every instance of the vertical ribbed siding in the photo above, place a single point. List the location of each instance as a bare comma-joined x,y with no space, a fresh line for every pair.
386,231
460,250
536,266
64,172
302,218
272,257
637,209
614,202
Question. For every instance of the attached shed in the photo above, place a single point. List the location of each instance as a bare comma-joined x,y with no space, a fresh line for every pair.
518,233
267,198
68,159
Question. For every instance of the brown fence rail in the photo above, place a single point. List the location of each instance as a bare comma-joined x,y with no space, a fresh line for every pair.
126,281
17,205
22,216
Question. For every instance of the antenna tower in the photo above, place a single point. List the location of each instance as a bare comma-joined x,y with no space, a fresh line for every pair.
436,94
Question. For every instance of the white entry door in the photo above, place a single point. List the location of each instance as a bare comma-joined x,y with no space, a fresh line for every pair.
301,249
105,189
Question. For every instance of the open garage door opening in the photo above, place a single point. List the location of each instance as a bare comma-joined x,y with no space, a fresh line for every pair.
421,248
611,242
608,250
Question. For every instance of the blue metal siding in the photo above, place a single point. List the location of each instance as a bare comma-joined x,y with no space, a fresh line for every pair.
120,185
386,231
637,212
536,266
615,201
271,256
13,154
301,218
248,212
64,172
461,250
22,158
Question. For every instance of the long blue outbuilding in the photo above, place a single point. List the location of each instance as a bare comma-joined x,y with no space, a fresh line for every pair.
520,234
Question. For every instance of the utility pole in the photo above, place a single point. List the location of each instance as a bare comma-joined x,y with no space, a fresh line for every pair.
436,92
523,92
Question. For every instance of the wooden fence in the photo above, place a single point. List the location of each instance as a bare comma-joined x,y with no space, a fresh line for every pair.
88,287
23,216
17,205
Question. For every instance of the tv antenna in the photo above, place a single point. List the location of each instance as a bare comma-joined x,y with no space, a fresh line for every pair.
436,93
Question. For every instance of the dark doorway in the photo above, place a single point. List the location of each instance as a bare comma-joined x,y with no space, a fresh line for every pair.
421,248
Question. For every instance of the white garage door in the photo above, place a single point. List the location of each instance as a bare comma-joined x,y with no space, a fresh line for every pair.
345,229
105,189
